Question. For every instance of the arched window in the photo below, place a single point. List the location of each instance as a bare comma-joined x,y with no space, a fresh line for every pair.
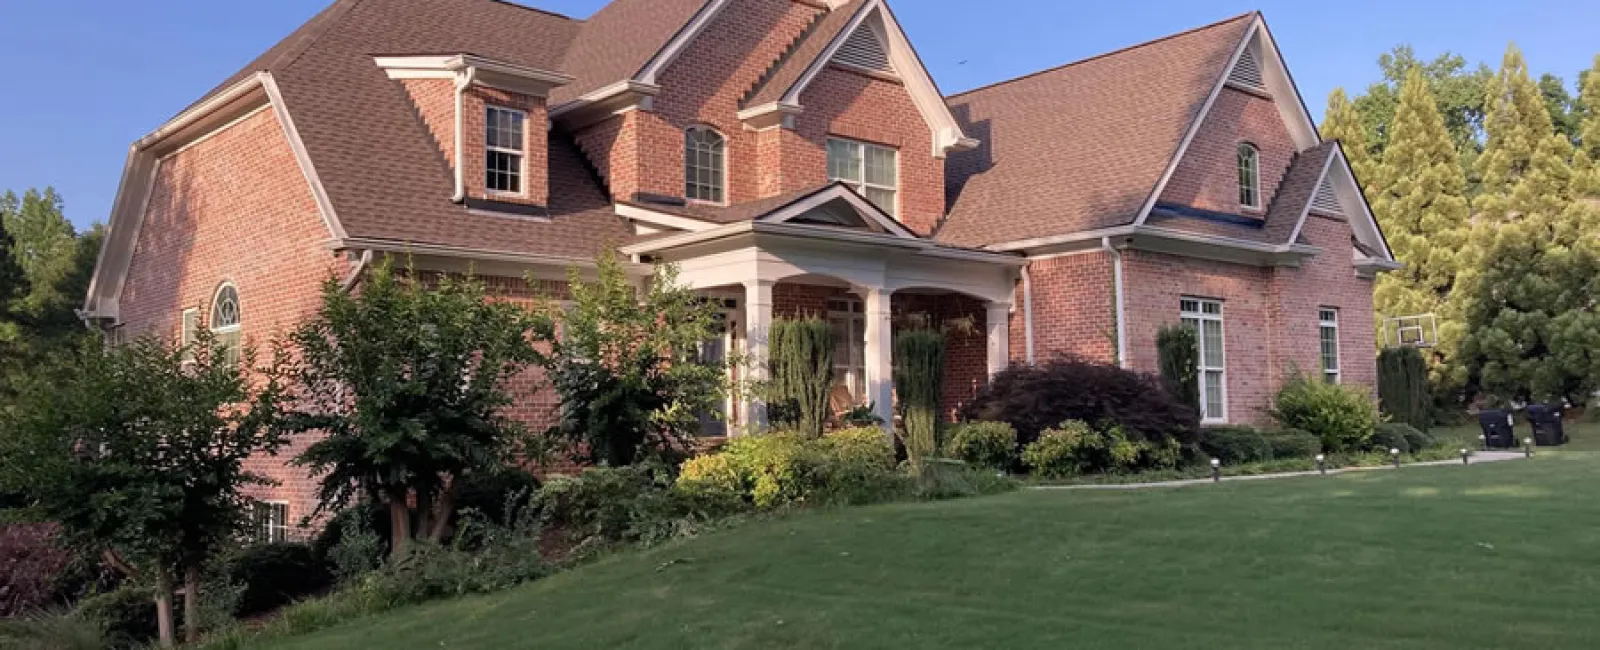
1249,176
705,170
225,321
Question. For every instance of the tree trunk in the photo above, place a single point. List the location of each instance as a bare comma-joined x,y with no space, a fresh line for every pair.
424,518
446,504
191,604
164,608
399,528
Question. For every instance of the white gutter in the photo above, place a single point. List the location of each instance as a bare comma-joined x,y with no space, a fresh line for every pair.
355,275
1122,320
463,81
919,246
1027,309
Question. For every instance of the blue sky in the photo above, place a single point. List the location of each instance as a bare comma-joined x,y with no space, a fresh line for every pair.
82,79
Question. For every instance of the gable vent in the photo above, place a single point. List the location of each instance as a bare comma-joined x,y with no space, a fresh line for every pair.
864,50
1325,201
1247,72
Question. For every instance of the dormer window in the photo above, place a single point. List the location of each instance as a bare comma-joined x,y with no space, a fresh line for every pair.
705,169
504,150
1249,176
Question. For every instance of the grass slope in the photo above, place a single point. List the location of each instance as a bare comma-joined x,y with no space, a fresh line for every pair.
1492,556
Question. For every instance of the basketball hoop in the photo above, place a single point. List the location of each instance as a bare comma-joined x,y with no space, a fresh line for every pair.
1420,331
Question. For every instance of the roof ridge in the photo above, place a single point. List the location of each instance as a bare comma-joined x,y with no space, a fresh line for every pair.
1103,55
546,12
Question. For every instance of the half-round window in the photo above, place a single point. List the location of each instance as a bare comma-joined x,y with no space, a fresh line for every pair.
705,170
225,321
1249,176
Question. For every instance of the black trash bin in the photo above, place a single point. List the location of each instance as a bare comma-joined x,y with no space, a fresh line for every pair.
1546,421
1497,430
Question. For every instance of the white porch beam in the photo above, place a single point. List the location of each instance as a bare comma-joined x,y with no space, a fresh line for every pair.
879,353
997,325
758,322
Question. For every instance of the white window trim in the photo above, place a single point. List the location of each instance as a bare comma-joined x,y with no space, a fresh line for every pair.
212,320
1255,174
189,331
861,162
522,154
725,164
1200,362
854,312
271,526
1338,350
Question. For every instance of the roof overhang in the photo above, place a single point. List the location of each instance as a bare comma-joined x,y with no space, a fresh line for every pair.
460,258
1369,267
1166,240
222,110
871,216
480,70
767,229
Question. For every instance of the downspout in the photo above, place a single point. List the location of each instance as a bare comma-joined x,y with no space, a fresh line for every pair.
463,81
1027,309
355,274
1121,304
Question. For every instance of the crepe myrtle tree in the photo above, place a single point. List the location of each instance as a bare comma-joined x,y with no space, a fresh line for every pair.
137,453
404,384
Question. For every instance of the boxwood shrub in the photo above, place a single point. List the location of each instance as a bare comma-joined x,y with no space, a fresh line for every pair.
985,444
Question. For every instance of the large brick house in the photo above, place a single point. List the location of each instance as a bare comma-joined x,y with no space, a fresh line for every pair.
789,156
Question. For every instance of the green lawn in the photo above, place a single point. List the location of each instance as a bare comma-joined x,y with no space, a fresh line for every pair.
1491,556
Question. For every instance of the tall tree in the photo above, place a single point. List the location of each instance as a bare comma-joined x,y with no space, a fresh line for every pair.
45,248
1528,298
1586,162
1344,123
1459,90
13,284
1419,196
54,263
1561,105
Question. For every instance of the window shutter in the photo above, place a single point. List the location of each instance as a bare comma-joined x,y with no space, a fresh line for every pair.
864,50
1325,201
1247,72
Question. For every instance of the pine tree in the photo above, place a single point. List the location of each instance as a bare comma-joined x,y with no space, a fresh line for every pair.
1527,293
1418,193
1586,162
1343,122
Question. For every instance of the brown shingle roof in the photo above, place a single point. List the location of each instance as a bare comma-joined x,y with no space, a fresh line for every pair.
1082,146
1297,188
619,40
783,76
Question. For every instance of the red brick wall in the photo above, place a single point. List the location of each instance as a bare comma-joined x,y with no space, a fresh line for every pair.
234,207
1208,176
630,152
536,143
435,103
1326,280
1073,309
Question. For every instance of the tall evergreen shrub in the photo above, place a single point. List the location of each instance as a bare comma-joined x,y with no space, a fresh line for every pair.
800,358
1178,351
919,382
1403,387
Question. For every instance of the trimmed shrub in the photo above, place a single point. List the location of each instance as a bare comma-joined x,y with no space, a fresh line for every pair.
1403,387
1419,440
1076,448
1034,398
633,504
1388,436
800,359
986,444
775,468
855,466
846,466
1178,350
711,474
1343,417
919,383
1235,445
1292,443
274,575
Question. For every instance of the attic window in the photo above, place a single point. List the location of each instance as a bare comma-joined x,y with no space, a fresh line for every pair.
1247,72
1325,200
1249,176
503,150
864,50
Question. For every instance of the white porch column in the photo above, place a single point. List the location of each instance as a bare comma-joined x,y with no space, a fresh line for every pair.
879,353
997,325
758,320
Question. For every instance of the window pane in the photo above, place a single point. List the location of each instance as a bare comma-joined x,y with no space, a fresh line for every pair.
1211,344
844,162
704,151
841,342
504,129
1212,307
1330,349
1213,388
1189,306
881,166
1248,176
884,199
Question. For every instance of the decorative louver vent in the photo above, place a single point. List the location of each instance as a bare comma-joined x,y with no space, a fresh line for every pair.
1325,201
1247,72
864,50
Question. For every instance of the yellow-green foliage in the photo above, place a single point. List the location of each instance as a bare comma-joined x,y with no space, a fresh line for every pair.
788,468
861,447
1343,417
990,444
710,473
1075,448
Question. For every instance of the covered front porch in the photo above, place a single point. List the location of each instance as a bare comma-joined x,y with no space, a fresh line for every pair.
868,283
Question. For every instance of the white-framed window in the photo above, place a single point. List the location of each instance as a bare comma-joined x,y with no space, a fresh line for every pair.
848,321
270,521
188,332
1205,316
504,149
1328,334
705,165
1249,176
226,320
872,170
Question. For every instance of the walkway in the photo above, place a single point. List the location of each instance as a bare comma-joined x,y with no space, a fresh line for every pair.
1477,458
